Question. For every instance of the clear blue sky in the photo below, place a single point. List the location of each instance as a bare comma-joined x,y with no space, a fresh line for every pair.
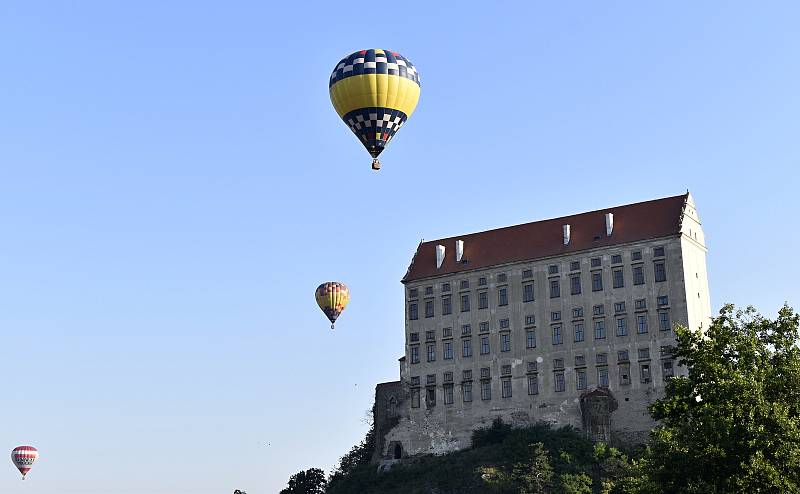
174,184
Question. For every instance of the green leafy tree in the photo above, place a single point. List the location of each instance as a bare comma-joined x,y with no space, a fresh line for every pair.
574,483
311,481
733,424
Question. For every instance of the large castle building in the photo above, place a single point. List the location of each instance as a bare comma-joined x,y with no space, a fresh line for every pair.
568,320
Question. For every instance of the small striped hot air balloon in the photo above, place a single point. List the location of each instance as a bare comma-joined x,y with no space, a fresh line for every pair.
332,297
374,92
23,458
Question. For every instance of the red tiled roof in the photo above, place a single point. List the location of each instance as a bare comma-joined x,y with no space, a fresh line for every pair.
632,223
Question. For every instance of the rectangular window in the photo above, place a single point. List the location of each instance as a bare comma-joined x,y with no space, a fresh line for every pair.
616,259
575,285
415,398
577,312
483,327
640,304
414,354
533,366
431,352
430,397
558,382
555,288
415,381
527,292
663,300
447,306
485,373
505,370
601,358
658,252
505,342
501,278
619,278
638,275
669,370
412,312
448,394
486,390
660,271
466,329
636,255
599,329
467,375
484,345
641,324
599,310
428,290
430,335
506,389
412,293
602,377
530,339
555,315
597,281
580,361
482,281
430,379
447,332
625,374
445,287
558,363
466,392
465,284
580,377
504,324
574,265
644,370
619,307
448,350
596,262
527,273
622,356
663,321
622,327
552,269
578,331
414,337
530,320
666,351
483,300
465,302
466,348
502,296
557,340
644,354
533,385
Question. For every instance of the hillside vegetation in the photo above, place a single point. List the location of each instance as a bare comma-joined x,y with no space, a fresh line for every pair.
501,460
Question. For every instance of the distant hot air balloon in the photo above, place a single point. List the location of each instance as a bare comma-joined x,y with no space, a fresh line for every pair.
23,458
332,297
374,91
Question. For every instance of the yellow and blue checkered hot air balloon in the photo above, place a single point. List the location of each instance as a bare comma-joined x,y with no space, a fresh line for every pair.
374,91
332,297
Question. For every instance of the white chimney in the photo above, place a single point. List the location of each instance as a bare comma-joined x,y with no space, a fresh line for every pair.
566,234
459,250
439,256
609,223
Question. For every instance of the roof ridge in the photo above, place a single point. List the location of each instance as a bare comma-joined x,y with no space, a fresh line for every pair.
553,219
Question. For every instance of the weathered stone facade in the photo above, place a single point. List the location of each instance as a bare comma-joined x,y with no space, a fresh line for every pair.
579,337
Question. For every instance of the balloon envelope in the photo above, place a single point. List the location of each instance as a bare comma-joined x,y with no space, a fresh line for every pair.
23,458
332,297
374,92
